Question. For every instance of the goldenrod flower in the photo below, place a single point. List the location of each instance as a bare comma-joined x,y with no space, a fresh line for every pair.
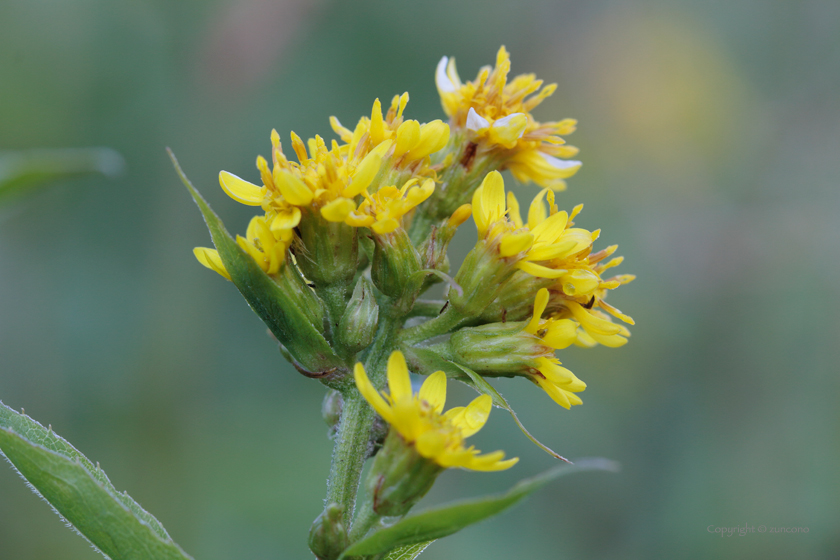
543,238
383,211
410,141
266,247
420,421
555,334
497,115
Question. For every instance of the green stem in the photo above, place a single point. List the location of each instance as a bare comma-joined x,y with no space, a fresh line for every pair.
352,443
441,324
427,308
365,519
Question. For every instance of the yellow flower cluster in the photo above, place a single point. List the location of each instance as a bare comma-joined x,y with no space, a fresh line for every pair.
545,238
554,334
497,115
420,420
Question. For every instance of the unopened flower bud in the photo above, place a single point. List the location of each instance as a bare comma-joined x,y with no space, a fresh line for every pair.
496,348
358,324
328,535
395,260
400,476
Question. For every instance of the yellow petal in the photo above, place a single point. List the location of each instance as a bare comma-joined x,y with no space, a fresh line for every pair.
430,444
560,334
210,258
556,394
493,196
370,393
365,173
433,137
508,130
514,243
540,302
513,210
293,189
579,282
338,210
539,271
382,227
551,228
241,190
475,415
433,391
491,462
399,381
408,135
377,129
286,220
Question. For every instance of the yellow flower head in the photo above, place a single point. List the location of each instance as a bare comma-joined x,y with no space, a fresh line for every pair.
555,334
409,141
545,237
266,247
580,294
497,114
383,211
418,418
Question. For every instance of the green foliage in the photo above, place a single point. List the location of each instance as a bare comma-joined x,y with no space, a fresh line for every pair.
407,552
81,493
287,317
445,520
23,172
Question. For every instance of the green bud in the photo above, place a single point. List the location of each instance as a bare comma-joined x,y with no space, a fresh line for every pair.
326,252
516,301
328,535
497,348
331,410
482,277
395,260
399,476
358,324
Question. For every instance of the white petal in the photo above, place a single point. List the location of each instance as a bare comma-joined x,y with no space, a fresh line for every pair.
560,163
504,121
444,84
475,121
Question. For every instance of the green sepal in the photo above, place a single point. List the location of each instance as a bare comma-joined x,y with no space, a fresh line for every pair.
427,360
439,522
285,316
81,493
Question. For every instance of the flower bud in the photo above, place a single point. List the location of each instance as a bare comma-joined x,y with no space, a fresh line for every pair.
395,260
503,348
358,324
327,251
328,535
400,476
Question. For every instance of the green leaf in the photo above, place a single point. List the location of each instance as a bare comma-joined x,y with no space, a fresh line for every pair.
407,552
22,172
482,386
442,521
81,494
288,318
427,360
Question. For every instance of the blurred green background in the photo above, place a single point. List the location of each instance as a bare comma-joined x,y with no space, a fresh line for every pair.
710,136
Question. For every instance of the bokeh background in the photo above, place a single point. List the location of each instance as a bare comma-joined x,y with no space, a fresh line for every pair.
710,136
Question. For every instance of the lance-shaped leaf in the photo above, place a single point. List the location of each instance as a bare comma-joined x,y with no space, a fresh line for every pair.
81,494
439,522
21,172
407,552
426,360
286,313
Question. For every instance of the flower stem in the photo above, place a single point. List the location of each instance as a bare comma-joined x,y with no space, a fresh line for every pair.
352,443
366,518
441,324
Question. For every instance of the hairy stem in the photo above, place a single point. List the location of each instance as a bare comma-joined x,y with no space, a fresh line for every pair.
442,324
